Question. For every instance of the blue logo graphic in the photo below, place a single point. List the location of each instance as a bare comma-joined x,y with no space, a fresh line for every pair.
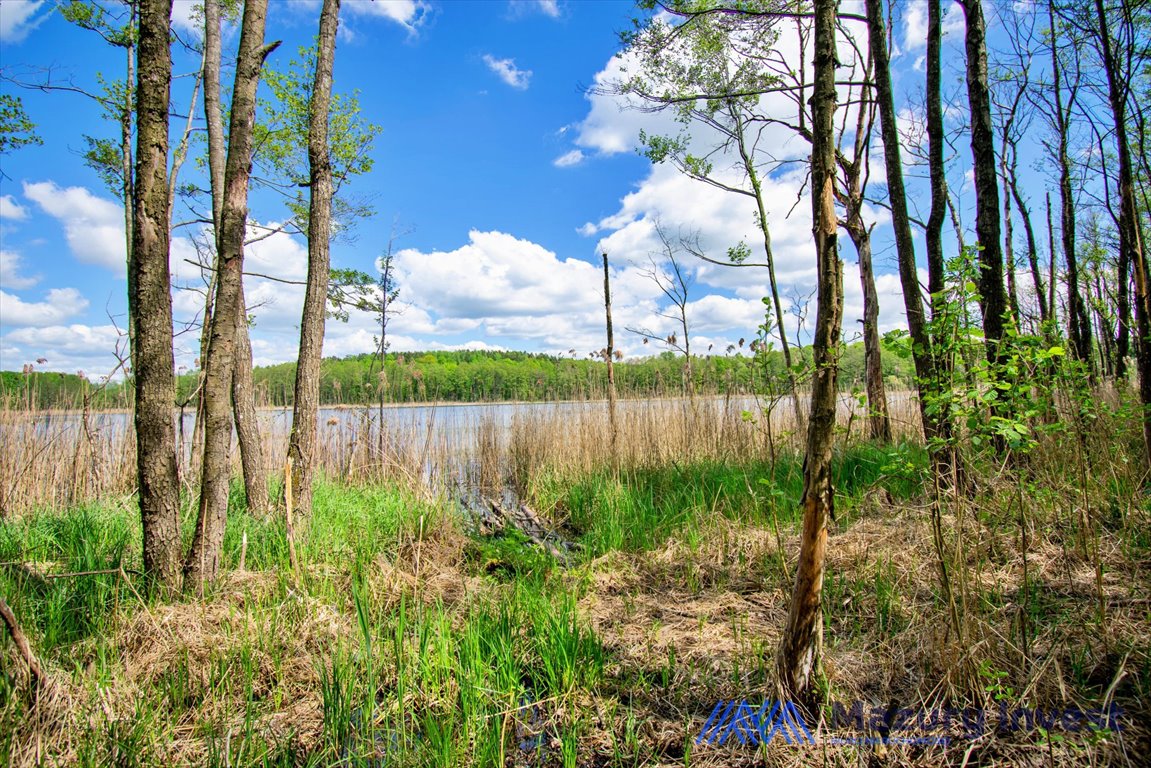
753,726
750,725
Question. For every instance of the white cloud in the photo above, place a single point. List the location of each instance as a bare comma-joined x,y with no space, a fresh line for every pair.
93,226
507,71
187,16
10,276
575,157
549,8
18,18
61,304
915,25
12,210
409,14
588,229
69,348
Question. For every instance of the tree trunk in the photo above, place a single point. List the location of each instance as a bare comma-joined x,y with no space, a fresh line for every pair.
1008,244
802,641
302,443
247,420
1130,236
935,150
1052,272
203,561
1032,250
151,299
1078,325
879,421
243,388
769,259
934,426
993,299
608,357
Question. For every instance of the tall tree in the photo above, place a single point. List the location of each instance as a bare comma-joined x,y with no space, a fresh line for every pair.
992,297
710,70
936,423
302,442
1078,324
1119,75
150,302
243,388
802,641
203,561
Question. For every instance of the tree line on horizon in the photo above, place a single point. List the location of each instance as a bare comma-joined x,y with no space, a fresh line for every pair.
472,376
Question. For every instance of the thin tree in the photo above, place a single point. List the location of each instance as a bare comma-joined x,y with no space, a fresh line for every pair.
203,561
1130,235
936,424
1078,324
802,642
150,302
992,297
609,355
243,387
675,284
302,442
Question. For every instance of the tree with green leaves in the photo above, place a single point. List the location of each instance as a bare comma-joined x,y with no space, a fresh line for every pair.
321,186
710,71
203,561
16,128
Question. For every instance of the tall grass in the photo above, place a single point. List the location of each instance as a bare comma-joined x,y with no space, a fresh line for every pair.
57,459
403,639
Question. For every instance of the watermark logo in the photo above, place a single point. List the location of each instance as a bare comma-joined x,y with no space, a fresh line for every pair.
752,726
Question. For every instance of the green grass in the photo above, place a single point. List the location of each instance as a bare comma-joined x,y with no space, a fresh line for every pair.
489,656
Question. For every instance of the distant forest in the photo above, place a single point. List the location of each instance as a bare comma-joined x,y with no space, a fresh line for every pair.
473,376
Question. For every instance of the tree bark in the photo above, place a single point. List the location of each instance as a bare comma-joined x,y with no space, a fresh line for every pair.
1078,324
879,422
150,298
243,387
302,442
802,641
935,148
203,562
993,299
1130,236
247,420
934,425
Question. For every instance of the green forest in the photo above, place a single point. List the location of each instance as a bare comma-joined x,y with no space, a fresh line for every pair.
476,377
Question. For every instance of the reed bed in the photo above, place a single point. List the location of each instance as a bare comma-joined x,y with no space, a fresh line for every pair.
63,458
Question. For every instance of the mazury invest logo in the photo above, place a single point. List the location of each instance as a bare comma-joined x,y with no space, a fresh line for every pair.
738,722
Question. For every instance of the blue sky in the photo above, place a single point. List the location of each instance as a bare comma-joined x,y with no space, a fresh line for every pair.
505,174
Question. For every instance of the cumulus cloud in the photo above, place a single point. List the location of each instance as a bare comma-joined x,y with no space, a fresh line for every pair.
93,226
69,348
567,160
20,17
61,304
506,70
10,272
409,14
12,210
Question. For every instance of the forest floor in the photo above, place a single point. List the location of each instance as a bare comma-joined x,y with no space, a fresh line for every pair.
407,637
